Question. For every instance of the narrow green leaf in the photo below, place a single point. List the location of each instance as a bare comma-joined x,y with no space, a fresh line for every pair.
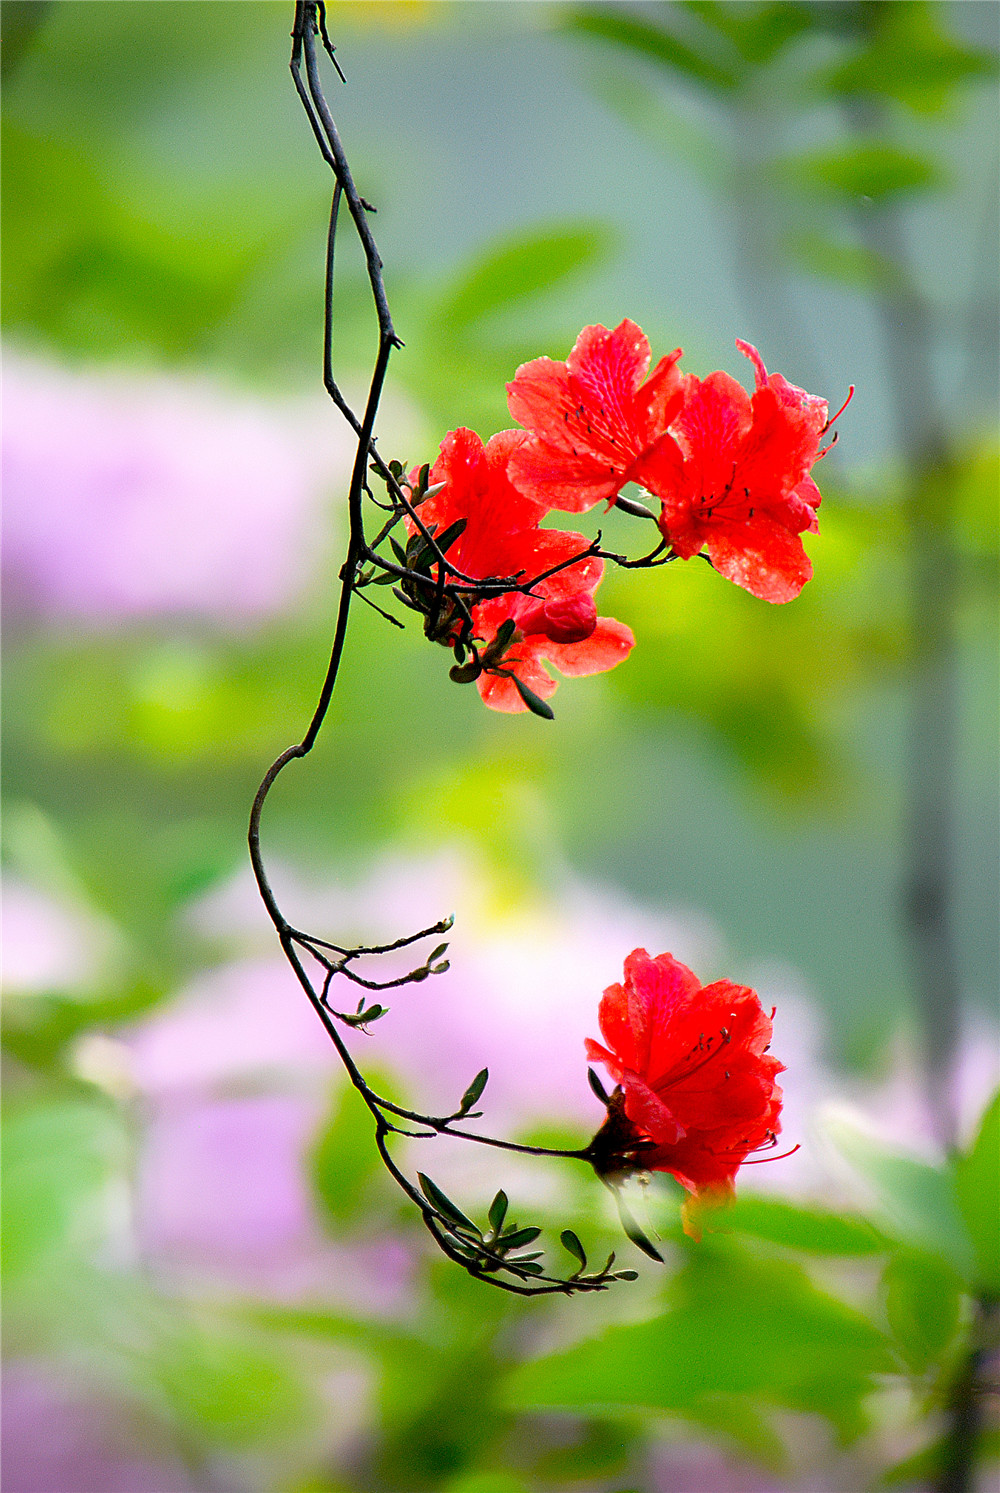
597,1086
398,550
632,1229
445,540
516,1238
498,1211
530,1267
474,1090
874,170
503,634
519,268
627,31
444,1205
571,1242
535,704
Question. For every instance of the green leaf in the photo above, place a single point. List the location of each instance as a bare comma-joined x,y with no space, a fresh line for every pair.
534,702
444,1204
735,1326
874,170
486,1482
498,1211
474,1090
632,1229
447,539
909,59
503,635
628,32
812,1229
597,1086
758,32
977,1190
913,1202
922,1303
520,267
736,1419
847,264
576,1249
517,1238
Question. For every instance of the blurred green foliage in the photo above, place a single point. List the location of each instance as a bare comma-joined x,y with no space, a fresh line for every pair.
139,225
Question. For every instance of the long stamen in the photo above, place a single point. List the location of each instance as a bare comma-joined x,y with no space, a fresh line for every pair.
760,1160
850,396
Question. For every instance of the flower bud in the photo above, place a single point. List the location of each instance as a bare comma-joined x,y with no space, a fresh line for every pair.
563,619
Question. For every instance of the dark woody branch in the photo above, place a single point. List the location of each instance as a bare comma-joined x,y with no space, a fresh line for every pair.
434,586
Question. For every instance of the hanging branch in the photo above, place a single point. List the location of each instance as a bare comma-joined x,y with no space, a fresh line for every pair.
425,581
591,426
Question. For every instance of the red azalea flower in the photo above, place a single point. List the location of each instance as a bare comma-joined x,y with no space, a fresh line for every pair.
732,474
693,1072
589,419
559,620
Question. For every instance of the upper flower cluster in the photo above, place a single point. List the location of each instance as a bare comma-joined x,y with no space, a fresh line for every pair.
730,471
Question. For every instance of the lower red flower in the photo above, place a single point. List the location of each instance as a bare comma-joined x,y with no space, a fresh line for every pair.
697,1091
732,474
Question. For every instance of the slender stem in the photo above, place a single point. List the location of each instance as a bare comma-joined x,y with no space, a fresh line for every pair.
482,1257
958,1464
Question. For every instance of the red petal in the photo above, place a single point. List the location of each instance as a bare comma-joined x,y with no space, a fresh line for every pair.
598,1054
608,368
761,556
608,644
572,482
660,396
648,1111
749,351
478,490
780,449
588,417
616,1028
538,395
710,428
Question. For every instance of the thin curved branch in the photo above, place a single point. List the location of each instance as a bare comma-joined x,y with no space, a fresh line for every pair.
445,598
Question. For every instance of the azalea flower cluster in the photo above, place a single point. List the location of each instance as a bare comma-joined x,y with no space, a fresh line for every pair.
696,1094
730,472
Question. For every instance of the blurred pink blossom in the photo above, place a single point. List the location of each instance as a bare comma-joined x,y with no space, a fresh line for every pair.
141,495
47,944
60,1436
